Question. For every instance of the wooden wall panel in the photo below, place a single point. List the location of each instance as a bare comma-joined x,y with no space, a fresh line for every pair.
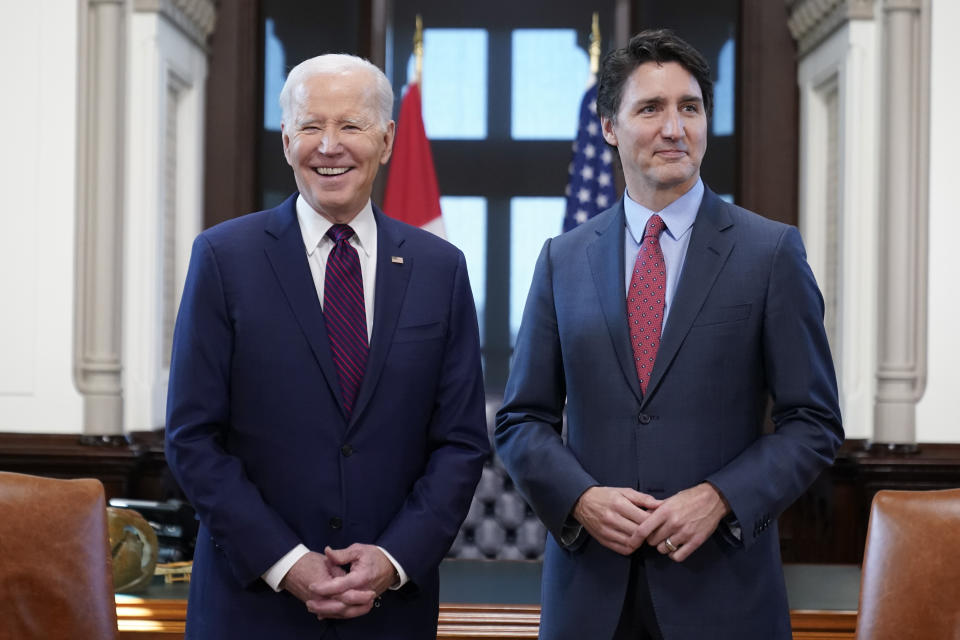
233,108
767,112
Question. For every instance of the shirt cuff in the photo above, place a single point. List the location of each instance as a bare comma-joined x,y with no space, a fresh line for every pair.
275,574
570,532
404,578
733,527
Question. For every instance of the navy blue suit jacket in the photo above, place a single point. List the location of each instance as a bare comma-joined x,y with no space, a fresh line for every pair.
746,325
258,439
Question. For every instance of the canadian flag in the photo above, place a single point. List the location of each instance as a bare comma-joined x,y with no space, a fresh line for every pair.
412,195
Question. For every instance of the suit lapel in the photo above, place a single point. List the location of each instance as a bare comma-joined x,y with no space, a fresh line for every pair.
708,251
606,258
391,287
287,256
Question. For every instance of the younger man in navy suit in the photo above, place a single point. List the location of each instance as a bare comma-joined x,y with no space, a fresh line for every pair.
662,326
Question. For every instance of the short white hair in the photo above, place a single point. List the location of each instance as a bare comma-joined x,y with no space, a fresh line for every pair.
337,63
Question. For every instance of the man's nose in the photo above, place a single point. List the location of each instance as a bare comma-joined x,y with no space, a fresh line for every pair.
672,125
329,142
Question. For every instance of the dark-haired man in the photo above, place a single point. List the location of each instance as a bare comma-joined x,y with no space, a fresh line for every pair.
663,326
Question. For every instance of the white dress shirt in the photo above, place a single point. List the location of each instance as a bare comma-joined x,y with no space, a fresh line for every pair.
313,228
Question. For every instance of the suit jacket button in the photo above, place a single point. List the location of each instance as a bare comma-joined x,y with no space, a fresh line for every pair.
335,523
643,418
346,450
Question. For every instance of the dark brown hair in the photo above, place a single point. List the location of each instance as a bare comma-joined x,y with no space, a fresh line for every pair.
660,46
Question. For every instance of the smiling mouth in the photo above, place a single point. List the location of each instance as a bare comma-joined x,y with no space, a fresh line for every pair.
331,171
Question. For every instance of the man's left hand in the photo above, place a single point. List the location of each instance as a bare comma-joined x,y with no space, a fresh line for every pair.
369,574
686,519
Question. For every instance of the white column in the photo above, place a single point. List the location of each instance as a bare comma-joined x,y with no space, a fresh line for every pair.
166,89
837,77
99,234
902,344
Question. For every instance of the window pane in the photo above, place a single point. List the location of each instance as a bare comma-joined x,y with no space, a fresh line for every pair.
465,221
454,85
274,75
532,221
549,76
723,100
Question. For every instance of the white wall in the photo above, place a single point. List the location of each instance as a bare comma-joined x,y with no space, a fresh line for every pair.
38,45
937,413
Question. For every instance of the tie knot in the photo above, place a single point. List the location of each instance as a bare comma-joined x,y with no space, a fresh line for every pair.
655,225
339,233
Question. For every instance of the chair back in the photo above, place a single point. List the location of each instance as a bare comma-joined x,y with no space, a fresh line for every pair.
910,584
55,568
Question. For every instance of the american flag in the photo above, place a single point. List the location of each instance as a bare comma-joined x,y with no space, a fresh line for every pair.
590,189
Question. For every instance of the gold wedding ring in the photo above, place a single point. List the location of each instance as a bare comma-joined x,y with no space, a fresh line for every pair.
670,546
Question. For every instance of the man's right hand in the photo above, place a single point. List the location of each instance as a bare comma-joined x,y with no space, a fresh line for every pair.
613,515
315,569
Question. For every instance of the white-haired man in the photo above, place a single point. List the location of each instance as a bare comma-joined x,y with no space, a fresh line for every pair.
326,411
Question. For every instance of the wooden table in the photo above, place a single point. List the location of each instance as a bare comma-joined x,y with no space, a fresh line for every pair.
823,603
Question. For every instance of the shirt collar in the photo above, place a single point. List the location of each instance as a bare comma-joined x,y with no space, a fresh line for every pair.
678,215
314,227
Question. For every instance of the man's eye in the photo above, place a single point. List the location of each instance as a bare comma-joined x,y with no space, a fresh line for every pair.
648,109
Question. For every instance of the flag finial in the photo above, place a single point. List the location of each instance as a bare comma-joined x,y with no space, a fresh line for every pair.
595,44
418,48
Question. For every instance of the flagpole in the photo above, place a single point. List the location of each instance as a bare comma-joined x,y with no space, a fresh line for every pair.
418,49
590,186
595,44
412,194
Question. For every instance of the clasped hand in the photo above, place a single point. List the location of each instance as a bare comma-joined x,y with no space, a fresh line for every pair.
622,519
340,583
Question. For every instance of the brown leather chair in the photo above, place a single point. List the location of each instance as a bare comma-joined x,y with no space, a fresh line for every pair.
910,586
55,570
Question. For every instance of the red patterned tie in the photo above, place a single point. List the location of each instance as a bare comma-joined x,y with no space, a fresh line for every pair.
344,313
645,301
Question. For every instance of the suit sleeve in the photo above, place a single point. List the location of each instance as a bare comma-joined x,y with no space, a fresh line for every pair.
529,425
777,468
250,533
422,531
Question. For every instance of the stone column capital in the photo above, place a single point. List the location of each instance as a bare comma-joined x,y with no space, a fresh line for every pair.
812,21
196,18
902,5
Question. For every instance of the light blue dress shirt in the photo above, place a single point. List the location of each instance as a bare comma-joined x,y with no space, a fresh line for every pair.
674,241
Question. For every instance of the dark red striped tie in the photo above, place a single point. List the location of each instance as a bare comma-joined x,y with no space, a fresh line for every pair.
345,314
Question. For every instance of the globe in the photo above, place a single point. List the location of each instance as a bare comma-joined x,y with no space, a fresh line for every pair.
133,545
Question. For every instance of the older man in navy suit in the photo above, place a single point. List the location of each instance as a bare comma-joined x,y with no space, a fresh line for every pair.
663,326
326,412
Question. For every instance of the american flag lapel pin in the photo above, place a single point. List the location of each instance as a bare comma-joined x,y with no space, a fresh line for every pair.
396,259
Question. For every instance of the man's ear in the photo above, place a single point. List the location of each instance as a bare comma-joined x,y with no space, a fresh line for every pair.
388,137
285,140
606,125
